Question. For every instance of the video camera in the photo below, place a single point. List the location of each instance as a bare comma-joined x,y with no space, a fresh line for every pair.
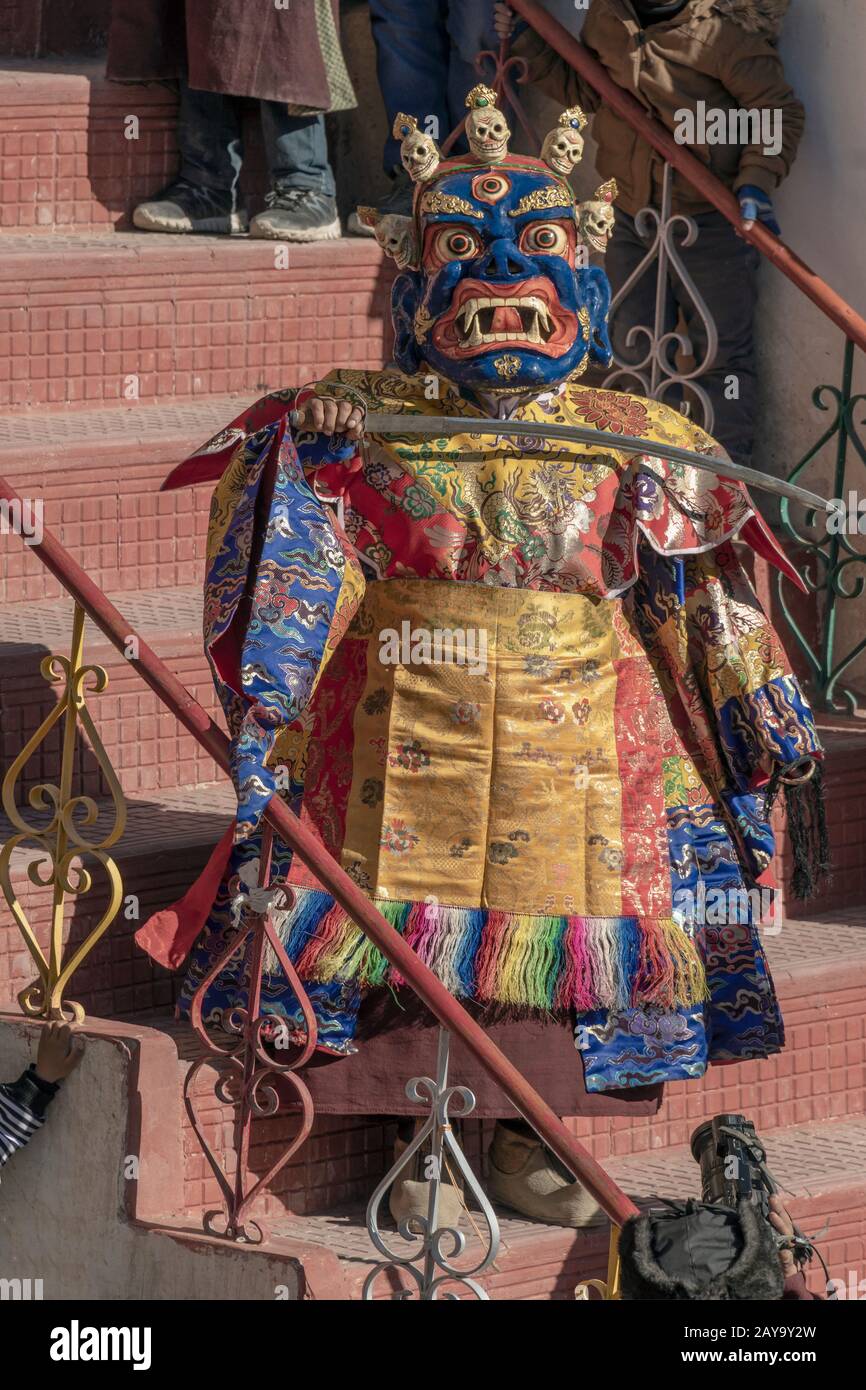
723,1246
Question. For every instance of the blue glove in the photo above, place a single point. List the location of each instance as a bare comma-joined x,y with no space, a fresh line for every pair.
756,206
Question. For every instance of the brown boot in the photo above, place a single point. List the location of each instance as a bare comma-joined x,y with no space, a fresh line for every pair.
523,1175
409,1196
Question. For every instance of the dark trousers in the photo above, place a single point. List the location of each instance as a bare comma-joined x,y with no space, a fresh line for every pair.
425,55
209,133
723,269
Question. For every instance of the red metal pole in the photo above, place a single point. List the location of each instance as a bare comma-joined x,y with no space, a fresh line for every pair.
715,192
443,1005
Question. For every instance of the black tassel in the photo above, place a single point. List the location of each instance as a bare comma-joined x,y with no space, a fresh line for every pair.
806,813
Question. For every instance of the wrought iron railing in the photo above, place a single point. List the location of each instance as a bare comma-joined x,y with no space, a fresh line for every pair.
657,372
248,1067
430,1250
830,559
61,843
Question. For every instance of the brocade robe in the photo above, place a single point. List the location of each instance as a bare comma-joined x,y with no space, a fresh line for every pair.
526,696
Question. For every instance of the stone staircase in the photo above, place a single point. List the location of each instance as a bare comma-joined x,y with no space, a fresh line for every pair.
119,353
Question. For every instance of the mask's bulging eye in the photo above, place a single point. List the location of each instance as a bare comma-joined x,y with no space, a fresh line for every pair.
544,239
453,244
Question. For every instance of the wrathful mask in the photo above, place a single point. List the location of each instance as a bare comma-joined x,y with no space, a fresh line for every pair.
495,293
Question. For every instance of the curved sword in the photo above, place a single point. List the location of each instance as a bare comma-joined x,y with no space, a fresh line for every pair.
439,425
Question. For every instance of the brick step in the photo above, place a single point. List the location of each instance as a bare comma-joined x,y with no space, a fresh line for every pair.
98,474
820,1168
182,317
146,746
67,160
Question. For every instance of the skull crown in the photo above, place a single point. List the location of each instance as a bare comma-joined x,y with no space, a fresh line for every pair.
419,152
595,218
563,146
395,235
488,135
487,130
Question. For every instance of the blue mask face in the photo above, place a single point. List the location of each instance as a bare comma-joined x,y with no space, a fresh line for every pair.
499,302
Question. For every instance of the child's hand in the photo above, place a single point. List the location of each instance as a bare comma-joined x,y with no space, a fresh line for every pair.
503,19
755,206
59,1052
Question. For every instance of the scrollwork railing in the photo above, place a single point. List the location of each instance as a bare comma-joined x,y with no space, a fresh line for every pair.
248,1066
656,373
430,1264
608,1289
61,843
835,558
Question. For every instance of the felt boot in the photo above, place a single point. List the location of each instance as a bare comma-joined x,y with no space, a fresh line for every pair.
525,1176
410,1193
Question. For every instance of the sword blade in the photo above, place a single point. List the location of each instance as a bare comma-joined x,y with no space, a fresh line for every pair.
443,425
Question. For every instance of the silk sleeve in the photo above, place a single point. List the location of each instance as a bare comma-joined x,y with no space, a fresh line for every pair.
282,585
729,683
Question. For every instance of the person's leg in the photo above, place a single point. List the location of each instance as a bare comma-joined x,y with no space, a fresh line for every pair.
625,252
209,136
470,27
204,195
301,204
297,150
724,269
412,51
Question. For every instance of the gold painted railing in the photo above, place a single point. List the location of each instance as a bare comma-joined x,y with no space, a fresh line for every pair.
59,844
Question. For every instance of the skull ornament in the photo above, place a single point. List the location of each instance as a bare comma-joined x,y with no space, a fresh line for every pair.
396,236
418,152
596,217
563,146
486,128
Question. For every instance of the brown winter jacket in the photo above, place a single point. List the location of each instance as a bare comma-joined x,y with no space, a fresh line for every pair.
716,51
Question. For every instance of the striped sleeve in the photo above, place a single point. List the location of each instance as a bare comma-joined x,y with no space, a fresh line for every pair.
22,1111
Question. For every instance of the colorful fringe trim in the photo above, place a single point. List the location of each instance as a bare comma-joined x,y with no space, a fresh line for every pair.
551,964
